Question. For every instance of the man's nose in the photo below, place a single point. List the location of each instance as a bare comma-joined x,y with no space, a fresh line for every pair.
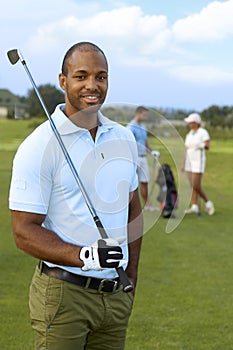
91,83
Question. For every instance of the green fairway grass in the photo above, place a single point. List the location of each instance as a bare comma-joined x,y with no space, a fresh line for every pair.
184,296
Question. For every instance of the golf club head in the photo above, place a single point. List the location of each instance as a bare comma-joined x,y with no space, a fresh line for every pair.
13,56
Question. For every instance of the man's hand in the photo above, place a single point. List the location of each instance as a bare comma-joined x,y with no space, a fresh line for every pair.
105,253
155,154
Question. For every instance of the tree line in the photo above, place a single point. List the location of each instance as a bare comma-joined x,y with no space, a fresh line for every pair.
51,96
213,116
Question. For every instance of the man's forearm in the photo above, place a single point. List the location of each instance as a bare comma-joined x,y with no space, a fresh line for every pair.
134,254
135,232
41,243
148,148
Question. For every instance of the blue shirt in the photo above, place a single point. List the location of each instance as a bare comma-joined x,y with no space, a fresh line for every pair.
42,181
140,133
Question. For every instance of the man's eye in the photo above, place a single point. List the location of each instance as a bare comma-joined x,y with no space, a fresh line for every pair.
101,77
80,77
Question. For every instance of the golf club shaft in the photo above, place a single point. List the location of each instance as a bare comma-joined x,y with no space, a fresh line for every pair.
127,286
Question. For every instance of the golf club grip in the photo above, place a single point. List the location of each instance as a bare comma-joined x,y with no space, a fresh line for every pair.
127,286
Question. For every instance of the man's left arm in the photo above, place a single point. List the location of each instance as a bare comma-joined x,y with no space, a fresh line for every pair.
148,148
135,232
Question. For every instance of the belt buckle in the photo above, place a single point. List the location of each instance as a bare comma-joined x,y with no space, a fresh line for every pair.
102,283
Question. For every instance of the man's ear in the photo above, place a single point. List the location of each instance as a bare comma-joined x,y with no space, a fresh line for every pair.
62,81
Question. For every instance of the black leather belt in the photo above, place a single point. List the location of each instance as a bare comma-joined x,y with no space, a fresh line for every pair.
101,285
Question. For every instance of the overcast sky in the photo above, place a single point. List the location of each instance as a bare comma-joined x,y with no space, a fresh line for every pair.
170,53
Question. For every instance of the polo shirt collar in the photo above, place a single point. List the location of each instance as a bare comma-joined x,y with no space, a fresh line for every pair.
65,125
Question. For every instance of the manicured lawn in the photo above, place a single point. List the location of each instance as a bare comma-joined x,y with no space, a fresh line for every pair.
185,292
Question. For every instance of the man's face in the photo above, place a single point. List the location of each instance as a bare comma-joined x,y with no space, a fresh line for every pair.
86,82
143,116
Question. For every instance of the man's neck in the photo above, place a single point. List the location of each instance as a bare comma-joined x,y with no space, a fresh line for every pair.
137,120
93,132
85,120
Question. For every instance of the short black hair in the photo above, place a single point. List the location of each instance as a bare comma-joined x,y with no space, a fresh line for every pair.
141,109
83,46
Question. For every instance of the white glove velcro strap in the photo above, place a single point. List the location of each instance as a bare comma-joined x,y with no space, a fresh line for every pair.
89,256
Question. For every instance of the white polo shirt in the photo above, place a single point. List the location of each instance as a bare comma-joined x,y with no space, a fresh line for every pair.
42,181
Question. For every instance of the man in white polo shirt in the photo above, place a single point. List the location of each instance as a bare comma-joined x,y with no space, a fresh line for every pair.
76,299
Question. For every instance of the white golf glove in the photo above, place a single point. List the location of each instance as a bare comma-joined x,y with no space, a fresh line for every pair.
105,253
155,154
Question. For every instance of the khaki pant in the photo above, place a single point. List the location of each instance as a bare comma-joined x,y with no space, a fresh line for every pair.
65,316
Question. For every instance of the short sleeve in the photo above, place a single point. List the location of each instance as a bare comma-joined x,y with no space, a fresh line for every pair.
205,135
134,151
131,127
31,181
134,184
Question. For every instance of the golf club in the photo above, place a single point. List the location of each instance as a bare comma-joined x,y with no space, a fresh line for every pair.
14,56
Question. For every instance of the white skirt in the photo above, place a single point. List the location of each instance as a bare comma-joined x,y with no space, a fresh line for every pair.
195,161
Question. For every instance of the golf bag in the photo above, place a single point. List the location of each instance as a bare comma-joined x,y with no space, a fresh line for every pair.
167,196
